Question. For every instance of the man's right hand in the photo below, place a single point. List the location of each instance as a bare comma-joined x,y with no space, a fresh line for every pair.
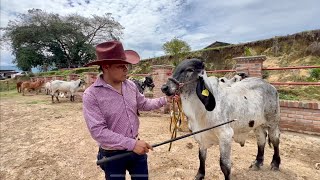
142,147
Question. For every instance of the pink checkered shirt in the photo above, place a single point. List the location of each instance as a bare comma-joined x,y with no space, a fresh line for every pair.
111,117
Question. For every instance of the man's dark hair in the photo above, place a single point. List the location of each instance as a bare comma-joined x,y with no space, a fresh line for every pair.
100,69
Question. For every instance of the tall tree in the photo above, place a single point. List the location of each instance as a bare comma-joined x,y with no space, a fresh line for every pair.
176,48
45,39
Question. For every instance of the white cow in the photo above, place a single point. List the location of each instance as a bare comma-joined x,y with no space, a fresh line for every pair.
252,101
65,86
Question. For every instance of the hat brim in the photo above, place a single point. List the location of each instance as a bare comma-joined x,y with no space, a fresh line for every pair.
132,57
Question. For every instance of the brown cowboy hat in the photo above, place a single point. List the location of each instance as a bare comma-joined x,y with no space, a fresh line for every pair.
112,52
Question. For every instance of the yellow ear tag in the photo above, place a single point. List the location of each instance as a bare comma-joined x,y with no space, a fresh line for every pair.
205,92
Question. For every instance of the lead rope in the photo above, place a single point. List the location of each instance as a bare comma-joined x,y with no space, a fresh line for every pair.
176,119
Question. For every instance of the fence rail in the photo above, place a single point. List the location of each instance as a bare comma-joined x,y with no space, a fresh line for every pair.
292,67
297,83
220,71
277,69
150,74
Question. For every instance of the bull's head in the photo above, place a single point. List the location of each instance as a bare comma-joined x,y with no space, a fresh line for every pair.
187,78
82,82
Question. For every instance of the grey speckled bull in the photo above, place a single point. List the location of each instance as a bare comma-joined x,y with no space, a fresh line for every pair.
252,101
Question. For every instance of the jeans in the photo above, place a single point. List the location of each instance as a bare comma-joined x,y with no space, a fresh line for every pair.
137,166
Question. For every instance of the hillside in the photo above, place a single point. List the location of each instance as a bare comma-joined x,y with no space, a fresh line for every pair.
293,50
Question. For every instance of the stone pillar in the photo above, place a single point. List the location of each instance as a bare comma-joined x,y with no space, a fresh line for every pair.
90,78
73,77
160,74
58,77
251,65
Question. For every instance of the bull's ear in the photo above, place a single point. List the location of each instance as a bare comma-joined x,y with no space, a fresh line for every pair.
205,96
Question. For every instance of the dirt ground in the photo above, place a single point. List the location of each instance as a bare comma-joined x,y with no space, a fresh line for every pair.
41,140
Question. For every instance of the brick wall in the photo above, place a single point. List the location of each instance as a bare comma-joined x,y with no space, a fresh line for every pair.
300,117
40,78
90,78
251,65
48,78
161,73
58,77
73,77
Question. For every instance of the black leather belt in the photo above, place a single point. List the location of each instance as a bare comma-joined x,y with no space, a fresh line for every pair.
110,151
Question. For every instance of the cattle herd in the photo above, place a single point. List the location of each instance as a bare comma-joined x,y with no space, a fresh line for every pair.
60,88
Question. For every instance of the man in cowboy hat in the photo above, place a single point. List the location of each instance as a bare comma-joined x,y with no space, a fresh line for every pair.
110,107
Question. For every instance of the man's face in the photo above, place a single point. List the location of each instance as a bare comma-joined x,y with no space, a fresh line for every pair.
117,72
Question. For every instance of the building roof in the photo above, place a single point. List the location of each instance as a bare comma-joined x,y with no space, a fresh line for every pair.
8,71
217,44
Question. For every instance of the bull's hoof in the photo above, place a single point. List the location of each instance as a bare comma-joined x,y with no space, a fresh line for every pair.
199,176
256,166
275,166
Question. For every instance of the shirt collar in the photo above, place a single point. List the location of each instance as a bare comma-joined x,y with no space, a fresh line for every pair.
102,83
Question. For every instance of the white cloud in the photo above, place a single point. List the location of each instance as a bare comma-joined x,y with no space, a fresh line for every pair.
6,58
149,24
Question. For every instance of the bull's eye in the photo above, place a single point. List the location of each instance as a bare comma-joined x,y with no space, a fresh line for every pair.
189,70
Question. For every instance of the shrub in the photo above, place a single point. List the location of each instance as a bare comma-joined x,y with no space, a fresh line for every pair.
265,74
315,74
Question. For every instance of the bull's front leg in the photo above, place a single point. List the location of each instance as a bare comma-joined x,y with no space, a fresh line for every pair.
225,140
202,168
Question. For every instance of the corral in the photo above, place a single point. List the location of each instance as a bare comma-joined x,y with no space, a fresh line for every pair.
41,140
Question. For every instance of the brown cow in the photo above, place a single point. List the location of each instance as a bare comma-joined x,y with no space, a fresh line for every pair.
19,86
32,85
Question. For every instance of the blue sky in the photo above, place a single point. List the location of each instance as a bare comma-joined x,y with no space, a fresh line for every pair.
149,24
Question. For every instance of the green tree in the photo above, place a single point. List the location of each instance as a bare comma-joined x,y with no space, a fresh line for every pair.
46,39
247,51
176,48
